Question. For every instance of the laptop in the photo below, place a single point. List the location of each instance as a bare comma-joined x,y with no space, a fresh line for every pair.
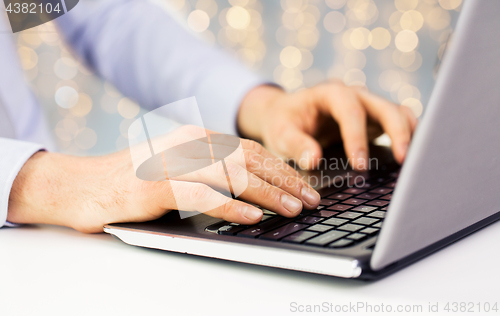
383,220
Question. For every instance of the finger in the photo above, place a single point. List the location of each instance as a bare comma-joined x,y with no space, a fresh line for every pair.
259,149
271,171
243,184
394,121
345,107
412,119
201,198
295,144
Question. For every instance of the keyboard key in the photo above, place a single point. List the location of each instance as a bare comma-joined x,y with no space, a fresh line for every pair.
390,184
381,190
340,196
299,237
356,236
265,217
319,228
377,214
368,196
354,191
340,243
268,212
283,231
351,227
364,209
230,229
378,225
365,186
325,213
369,230
387,197
355,201
309,219
378,203
366,221
350,215
335,221
327,202
326,238
339,207
384,208
263,227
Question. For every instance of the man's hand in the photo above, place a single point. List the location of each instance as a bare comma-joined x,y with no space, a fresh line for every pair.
88,192
299,124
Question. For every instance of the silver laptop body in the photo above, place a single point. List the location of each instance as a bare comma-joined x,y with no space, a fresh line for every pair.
446,189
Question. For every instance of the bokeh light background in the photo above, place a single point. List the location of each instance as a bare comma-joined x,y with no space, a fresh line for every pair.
391,46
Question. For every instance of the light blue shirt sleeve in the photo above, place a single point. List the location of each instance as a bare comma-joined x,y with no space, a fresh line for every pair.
151,58
18,153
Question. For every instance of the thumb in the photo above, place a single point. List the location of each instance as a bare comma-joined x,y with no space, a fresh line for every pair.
294,143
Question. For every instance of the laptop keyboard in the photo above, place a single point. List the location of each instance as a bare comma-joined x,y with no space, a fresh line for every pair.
345,217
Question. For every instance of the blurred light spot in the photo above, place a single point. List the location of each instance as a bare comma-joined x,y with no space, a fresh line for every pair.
83,106
355,77
109,104
66,129
31,38
176,4
86,138
66,97
290,57
390,80
334,22
360,38
240,3
395,21
405,5
209,6
355,59
292,5
127,108
406,41
307,59
66,68
292,20
412,20
438,18
308,37
415,105
28,57
238,17
381,38
335,4
198,21
408,91
48,33
450,4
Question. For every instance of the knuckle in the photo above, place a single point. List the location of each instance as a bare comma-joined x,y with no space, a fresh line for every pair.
227,209
234,170
269,192
252,159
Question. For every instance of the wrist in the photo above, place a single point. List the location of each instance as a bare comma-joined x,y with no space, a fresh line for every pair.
39,192
252,113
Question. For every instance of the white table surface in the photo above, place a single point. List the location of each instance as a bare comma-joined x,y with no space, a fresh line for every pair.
47,270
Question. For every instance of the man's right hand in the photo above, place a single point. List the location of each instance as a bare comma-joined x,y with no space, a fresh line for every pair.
87,193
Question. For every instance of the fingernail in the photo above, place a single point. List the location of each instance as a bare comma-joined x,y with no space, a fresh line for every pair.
310,196
304,159
252,213
292,204
360,159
